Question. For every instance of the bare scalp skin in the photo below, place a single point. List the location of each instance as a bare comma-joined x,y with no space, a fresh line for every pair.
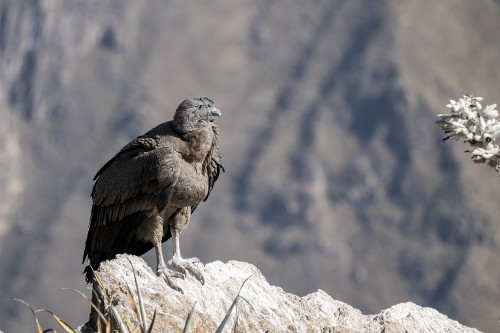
146,193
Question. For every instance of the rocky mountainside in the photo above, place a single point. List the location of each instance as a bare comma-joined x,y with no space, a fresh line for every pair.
336,179
260,307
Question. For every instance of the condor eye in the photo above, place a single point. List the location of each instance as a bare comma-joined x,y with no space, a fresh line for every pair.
195,108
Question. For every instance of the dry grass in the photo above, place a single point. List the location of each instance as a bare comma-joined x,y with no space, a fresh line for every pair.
110,320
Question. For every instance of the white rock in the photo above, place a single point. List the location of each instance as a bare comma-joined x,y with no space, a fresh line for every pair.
261,308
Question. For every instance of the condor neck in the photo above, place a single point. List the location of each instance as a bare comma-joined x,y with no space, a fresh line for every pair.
199,143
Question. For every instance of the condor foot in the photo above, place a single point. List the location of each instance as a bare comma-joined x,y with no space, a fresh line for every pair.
183,265
168,276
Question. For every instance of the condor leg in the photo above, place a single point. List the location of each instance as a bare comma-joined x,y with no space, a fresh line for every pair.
178,223
163,271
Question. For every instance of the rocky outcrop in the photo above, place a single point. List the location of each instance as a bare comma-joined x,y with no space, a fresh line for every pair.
261,307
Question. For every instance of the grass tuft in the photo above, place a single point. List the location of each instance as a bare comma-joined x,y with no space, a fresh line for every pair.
228,313
38,326
112,320
61,322
95,307
143,320
189,319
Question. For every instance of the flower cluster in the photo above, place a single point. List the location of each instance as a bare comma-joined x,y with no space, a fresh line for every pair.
479,127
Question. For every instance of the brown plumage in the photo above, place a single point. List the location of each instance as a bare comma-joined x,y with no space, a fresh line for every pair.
146,193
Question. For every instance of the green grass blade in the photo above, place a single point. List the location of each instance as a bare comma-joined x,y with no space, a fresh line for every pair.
61,322
189,320
101,315
129,329
99,325
228,314
101,285
144,320
236,319
132,301
150,330
121,326
108,324
38,326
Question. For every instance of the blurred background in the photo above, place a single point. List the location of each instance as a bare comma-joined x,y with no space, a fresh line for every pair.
337,178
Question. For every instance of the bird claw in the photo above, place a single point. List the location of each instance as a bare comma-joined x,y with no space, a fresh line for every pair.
168,276
184,265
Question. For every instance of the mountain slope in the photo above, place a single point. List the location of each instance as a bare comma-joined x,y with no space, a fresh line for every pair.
336,174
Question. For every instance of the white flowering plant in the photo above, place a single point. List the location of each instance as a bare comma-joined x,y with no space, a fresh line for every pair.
477,126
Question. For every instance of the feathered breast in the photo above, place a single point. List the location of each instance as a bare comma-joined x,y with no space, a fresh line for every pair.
212,165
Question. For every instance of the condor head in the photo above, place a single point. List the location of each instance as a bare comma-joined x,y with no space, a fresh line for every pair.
195,113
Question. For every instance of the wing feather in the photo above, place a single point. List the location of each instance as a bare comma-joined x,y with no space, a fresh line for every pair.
133,183
132,173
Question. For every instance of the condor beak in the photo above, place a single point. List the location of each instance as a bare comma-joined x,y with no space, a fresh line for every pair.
214,112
